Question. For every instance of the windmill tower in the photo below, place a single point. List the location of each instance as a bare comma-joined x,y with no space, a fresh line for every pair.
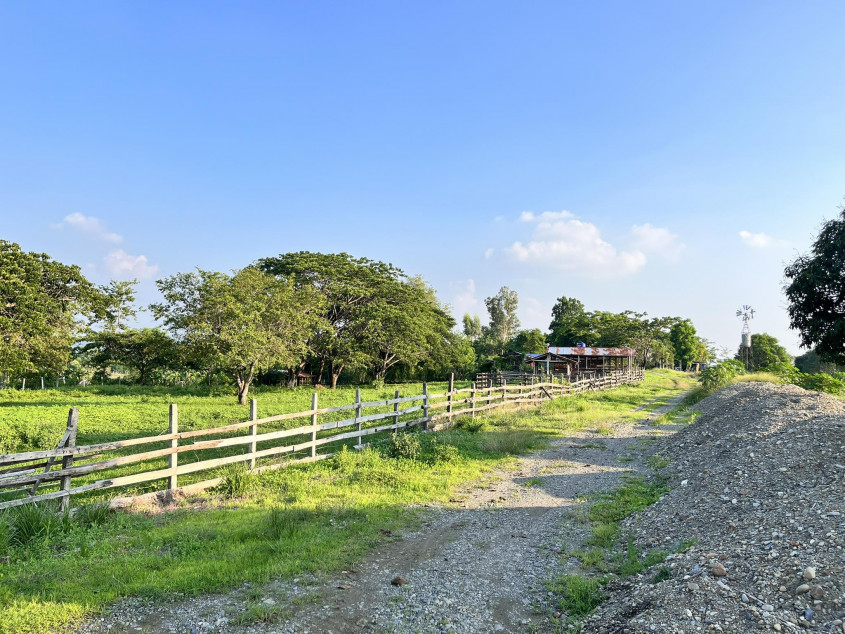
746,314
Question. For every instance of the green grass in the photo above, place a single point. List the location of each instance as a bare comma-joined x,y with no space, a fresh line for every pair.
578,595
298,520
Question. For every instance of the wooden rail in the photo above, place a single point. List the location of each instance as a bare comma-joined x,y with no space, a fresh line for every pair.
255,441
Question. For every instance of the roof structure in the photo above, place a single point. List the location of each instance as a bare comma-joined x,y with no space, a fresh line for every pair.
592,352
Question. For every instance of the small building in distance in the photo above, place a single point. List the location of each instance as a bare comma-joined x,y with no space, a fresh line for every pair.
582,360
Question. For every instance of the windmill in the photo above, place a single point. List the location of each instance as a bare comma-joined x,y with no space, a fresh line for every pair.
746,314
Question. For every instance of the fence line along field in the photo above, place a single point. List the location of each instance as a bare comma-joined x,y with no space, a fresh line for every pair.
183,458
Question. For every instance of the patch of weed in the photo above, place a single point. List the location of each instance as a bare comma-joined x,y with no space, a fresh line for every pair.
578,595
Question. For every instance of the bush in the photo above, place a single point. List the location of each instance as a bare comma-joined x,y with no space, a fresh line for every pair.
404,445
721,374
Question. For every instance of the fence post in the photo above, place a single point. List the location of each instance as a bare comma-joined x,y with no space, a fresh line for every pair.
449,397
253,430
472,400
314,426
358,416
396,410
173,458
67,461
504,391
425,405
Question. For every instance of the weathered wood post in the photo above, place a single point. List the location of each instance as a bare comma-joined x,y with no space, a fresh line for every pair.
67,461
173,458
253,430
449,396
358,416
472,400
425,405
396,409
504,391
314,426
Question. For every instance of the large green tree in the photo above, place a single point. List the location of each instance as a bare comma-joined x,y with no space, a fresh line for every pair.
239,323
349,288
685,343
472,326
41,305
569,322
816,293
765,351
529,341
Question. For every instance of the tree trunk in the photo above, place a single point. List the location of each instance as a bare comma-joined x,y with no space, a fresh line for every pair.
336,374
243,390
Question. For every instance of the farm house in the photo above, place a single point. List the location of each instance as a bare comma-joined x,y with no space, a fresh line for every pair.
582,360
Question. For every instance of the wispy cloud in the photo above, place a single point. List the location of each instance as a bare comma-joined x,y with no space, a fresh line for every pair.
657,240
529,216
464,299
123,265
757,240
90,226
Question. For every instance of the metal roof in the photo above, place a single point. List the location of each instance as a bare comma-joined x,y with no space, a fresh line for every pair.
592,352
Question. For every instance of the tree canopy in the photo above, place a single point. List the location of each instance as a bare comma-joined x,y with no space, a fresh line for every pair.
239,323
41,301
765,351
816,293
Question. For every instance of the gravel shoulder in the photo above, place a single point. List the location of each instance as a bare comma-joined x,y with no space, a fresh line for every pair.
478,564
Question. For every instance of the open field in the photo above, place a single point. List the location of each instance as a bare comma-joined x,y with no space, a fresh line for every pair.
315,518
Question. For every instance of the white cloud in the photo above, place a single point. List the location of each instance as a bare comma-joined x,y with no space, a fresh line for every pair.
89,225
756,240
532,314
659,240
565,243
527,216
488,253
464,299
122,264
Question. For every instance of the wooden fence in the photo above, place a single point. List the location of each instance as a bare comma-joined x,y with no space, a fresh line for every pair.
260,443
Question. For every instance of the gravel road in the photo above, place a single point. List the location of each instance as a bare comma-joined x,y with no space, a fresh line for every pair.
477,565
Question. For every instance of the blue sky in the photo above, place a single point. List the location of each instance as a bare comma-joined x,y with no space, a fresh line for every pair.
655,156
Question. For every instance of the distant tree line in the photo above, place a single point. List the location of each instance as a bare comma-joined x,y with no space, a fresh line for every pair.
659,341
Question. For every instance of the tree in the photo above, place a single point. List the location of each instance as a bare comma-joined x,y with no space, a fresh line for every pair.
347,286
816,293
41,302
685,343
765,351
811,363
145,350
472,326
504,323
528,342
119,304
239,323
569,322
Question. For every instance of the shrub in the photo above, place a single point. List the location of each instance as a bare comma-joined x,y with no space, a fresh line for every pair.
237,480
403,445
720,374
32,523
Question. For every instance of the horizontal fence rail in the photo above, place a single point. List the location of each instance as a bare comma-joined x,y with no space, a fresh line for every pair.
261,443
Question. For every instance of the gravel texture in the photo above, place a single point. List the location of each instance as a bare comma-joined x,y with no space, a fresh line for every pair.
479,564
760,485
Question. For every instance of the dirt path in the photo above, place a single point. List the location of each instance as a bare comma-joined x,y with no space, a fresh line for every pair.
478,566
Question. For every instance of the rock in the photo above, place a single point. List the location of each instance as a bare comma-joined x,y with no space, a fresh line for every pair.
692,586
809,573
744,598
809,614
398,581
777,627
802,589
767,607
718,570
817,592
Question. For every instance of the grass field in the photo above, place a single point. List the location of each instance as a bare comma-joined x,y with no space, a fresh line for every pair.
302,519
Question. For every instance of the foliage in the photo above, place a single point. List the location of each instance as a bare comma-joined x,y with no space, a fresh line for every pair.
238,323
811,362
765,351
569,322
720,374
578,595
144,350
528,341
236,480
504,323
684,342
117,304
40,303
472,326
816,292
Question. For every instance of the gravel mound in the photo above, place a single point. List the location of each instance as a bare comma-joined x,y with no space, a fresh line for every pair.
759,485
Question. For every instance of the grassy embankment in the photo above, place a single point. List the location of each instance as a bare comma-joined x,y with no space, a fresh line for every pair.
305,519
